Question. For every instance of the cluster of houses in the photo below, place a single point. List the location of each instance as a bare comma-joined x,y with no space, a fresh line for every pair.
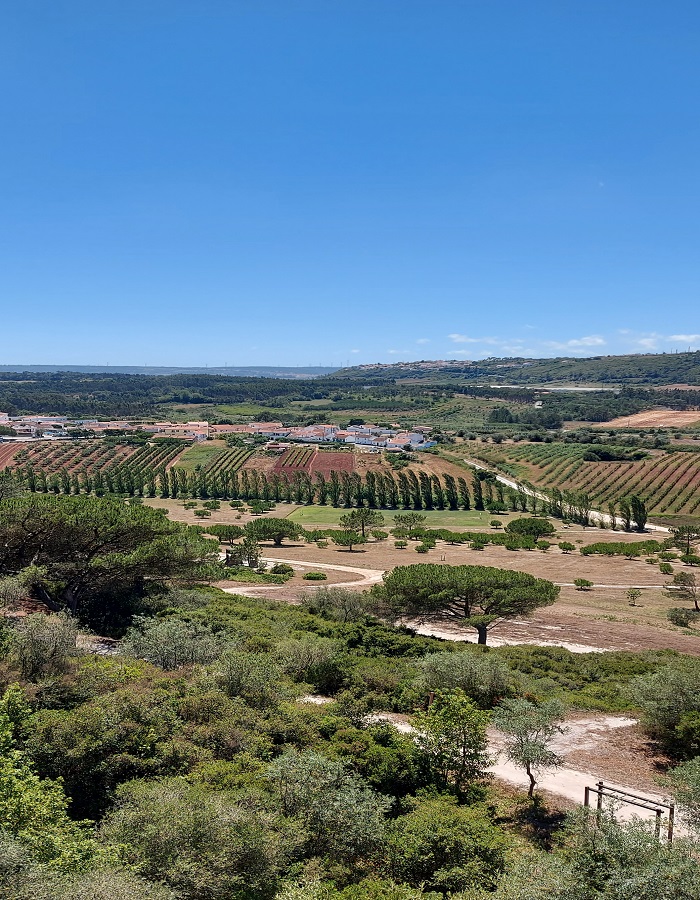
368,437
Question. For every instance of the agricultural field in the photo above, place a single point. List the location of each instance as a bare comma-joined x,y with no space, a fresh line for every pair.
312,460
658,418
668,482
7,451
90,456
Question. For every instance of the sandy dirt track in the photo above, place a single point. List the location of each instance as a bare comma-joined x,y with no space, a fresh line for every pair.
593,747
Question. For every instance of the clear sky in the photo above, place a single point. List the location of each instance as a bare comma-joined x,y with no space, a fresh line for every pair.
193,182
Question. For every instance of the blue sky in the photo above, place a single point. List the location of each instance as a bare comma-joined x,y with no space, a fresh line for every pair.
222,182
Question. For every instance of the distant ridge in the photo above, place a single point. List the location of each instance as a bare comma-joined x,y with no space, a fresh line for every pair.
627,369
236,371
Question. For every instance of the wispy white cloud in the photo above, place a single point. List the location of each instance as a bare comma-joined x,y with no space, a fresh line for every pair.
354,351
685,338
398,352
583,343
465,339
423,341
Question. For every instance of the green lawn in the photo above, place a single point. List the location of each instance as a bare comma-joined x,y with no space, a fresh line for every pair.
436,518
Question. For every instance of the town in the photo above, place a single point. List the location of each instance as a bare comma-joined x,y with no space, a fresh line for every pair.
366,436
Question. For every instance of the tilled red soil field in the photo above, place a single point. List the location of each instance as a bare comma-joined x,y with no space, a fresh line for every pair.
310,460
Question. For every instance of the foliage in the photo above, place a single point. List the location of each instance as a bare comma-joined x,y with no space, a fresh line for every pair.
451,737
203,844
529,730
43,645
483,677
172,643
670,700
439,845
478,596
34,810
96,557
337,812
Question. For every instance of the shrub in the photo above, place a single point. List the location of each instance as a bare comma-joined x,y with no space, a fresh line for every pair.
282,569
582,584
494,523
322,545
690,559
666,568
171,643
400,545
315,576
422,548
684,618
44,644
543,546
566,546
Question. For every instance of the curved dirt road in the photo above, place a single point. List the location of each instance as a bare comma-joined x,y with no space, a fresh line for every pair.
369,577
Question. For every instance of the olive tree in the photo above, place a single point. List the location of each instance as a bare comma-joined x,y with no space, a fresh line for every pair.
529,729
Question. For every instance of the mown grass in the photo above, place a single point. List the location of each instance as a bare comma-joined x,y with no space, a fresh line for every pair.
435,518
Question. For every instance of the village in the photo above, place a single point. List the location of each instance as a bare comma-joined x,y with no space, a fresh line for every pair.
368,437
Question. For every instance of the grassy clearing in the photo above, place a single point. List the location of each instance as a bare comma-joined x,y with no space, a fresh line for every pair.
200,454
437,518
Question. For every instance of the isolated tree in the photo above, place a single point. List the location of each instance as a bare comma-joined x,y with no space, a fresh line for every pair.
633,594
685,587
348,538
413,522
361,519
685,537
273,529
612,514
476,596
529,729
245,553
531,526
639,512
452,739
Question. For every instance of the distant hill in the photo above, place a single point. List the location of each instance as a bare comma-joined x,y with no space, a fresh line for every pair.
634,369
233,371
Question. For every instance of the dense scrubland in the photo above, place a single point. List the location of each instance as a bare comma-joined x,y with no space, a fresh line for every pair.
185,761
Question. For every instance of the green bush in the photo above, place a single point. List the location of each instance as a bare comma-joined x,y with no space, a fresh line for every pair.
315,576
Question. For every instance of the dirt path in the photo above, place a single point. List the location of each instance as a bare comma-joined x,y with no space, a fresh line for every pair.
596,516
594,747
367,579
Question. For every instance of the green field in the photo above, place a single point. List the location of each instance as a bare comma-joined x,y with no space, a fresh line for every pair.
200,454
436,518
